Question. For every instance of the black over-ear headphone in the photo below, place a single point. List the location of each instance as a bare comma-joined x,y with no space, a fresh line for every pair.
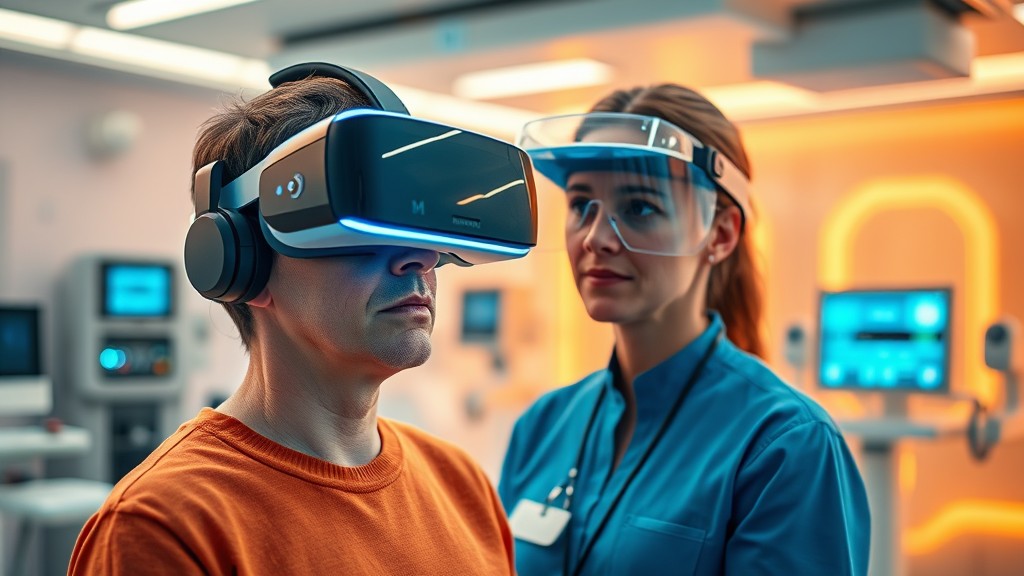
226,257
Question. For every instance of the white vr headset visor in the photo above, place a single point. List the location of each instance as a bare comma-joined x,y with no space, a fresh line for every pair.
368,177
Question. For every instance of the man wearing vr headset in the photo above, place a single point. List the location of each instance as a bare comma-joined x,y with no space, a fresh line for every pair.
687,455
295,473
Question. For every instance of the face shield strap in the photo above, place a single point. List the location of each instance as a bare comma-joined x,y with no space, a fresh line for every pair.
726,176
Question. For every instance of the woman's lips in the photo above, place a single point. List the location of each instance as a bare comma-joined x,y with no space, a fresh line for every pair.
604,277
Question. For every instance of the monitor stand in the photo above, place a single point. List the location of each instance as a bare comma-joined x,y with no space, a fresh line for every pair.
880,439
880,458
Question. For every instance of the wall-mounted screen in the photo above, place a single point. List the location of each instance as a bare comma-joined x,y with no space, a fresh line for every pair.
136,290
881,340
481,313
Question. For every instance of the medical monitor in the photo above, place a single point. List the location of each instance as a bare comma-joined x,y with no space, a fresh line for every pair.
885,340
24,388
481,314
136,290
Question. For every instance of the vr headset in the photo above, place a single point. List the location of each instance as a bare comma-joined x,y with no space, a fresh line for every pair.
363,177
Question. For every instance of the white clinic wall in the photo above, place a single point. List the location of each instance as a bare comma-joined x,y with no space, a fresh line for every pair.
60,202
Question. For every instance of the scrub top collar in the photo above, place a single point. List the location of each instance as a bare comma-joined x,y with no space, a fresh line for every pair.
656,389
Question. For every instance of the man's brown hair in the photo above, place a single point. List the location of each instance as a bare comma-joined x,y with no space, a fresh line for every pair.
245,132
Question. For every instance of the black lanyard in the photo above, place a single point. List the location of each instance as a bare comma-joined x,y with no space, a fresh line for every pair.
569,485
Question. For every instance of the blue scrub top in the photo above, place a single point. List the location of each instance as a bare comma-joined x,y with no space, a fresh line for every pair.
751,477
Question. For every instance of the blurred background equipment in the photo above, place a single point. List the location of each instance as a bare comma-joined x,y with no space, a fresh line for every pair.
123,374
897,342
25,389
26,501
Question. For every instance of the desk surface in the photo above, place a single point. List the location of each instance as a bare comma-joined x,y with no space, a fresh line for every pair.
22,442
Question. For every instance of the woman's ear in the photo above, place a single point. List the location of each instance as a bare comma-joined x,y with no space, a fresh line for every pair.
725,233
262,300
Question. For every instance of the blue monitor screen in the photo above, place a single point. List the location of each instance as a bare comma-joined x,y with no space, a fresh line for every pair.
480,315
136,290
885,340
19,342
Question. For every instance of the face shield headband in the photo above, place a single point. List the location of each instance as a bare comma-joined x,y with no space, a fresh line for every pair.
655,184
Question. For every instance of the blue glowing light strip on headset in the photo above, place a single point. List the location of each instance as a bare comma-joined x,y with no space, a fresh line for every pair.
390,232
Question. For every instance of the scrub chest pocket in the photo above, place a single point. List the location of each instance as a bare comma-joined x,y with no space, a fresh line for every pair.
651,546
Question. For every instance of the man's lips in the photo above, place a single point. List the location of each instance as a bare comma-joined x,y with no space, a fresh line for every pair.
411,303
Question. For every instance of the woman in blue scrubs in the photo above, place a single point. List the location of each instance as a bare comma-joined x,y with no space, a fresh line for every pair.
687,454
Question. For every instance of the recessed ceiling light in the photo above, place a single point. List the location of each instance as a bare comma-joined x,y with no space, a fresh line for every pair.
532,79
35,30
138,13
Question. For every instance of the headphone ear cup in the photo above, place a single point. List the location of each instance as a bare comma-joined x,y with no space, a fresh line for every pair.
255,257
211,255
225,259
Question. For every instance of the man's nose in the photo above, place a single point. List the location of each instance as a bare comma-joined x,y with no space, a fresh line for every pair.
413,261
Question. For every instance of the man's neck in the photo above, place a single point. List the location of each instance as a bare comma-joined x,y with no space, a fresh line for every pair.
309,405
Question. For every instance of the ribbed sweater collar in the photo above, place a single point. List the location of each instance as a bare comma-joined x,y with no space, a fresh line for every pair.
378,473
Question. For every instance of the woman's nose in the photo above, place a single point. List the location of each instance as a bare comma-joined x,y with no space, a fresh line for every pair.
600,235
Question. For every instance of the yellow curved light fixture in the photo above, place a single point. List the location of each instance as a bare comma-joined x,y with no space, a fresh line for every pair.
972,216
988,517
761,234
981,287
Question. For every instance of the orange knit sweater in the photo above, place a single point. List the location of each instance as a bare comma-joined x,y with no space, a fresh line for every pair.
217,498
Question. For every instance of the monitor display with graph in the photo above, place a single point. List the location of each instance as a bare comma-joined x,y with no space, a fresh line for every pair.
885,340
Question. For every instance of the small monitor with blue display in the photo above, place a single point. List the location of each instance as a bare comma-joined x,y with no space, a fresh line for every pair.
136,290
25,390
481,313
885,340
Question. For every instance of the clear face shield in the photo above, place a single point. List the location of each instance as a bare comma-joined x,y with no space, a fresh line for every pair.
652,183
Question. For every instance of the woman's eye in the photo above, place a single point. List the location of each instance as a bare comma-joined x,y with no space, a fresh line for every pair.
642,208
578,205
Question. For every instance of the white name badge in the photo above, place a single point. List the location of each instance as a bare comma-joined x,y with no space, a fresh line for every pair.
531,522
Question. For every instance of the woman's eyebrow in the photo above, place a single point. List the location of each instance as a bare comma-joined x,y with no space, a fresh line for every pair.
627,189
579,187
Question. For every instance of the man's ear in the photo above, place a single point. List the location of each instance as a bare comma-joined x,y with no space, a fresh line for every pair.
262,300
725,233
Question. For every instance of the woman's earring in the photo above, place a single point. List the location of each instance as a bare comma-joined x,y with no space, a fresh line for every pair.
711,258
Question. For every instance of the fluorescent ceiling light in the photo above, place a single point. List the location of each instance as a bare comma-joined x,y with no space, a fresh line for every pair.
762,100
532,78
35,30
138,13
760,96
158,54
219,70
494,119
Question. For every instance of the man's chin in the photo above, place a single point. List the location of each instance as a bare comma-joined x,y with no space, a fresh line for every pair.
410,350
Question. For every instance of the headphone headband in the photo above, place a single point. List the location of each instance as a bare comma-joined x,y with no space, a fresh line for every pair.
379,95
227,259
